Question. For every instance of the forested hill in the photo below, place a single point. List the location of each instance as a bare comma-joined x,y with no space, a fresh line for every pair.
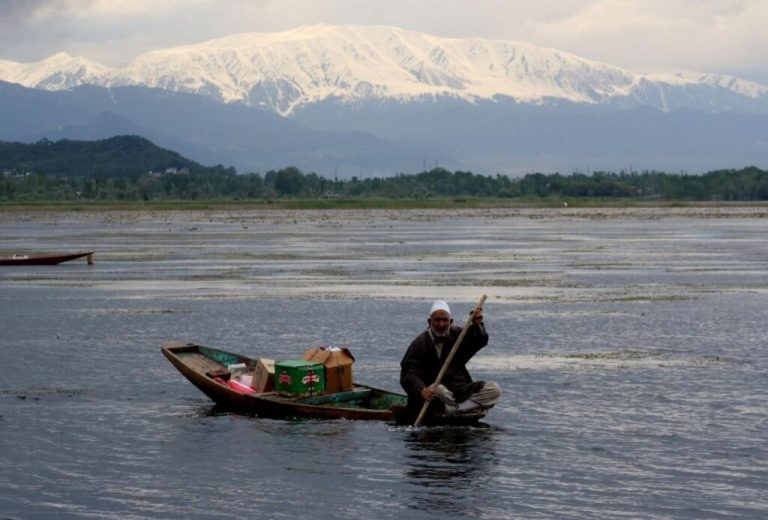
121,156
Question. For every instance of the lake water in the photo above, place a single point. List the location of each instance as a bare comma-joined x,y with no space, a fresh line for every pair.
630,346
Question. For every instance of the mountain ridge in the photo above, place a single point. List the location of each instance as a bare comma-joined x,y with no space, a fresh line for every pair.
288,70
363,100
196,126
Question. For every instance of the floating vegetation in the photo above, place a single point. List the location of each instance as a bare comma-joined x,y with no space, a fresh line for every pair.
132,312
616,360
38,393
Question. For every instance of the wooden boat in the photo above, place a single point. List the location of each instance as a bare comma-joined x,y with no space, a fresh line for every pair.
45,259
206,368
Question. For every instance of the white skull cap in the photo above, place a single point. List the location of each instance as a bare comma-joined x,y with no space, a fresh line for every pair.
439,305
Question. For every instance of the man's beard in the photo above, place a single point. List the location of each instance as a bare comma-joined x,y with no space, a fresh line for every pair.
436,335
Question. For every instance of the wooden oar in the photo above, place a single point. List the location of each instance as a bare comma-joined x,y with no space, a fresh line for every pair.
448,359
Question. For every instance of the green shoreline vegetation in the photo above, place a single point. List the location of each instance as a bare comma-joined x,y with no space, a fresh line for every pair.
129,172
361,204
291,189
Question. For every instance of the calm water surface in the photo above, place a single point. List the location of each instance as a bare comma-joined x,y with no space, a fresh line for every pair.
629,344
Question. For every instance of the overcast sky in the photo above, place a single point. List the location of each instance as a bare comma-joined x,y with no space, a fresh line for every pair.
723,36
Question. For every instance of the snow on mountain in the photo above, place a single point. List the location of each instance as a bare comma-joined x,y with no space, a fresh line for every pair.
312,63
58,72
736,85
8,70
287,70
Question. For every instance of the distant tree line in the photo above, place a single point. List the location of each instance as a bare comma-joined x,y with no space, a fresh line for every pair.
747,184
129,168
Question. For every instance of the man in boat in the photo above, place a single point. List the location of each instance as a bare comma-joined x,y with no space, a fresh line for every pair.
457,392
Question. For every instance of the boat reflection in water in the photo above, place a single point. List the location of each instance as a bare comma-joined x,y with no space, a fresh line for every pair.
451,468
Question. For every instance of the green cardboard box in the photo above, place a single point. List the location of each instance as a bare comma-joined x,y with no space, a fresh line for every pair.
299,377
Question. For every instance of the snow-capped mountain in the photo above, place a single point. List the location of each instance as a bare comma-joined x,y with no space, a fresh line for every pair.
58,72
351,64
360,100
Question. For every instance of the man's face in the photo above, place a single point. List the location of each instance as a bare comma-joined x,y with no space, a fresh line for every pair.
440,321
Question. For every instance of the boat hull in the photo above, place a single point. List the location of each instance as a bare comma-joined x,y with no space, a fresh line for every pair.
205,366
46,259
